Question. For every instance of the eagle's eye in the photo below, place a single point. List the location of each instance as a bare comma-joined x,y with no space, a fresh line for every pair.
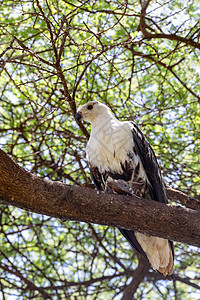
90,107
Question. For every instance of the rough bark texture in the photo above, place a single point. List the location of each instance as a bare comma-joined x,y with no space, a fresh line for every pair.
25,190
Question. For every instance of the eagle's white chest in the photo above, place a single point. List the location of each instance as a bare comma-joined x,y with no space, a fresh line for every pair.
109,145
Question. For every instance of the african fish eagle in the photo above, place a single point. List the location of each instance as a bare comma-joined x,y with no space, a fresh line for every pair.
118,151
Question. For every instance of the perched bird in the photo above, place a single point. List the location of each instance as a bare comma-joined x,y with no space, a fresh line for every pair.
118,151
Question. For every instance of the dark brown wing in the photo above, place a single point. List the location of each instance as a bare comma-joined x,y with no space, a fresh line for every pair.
150,165
97,178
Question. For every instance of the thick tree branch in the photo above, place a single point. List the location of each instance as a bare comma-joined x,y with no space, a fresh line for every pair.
182,198
25,190
121,187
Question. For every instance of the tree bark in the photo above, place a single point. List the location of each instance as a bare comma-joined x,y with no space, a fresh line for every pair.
20,188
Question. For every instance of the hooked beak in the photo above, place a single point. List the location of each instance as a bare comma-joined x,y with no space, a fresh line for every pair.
78,116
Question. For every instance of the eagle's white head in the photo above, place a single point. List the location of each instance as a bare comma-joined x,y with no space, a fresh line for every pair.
92,112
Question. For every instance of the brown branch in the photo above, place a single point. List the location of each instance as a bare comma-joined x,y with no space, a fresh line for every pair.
7,48
182,198
120,187
60,73
155,276
70,100
29,283
32,53
173,37
168,67
49,29
20,188
62,46
88,282
137,278
113,257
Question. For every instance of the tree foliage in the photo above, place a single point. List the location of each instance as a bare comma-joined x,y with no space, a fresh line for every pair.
141,58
